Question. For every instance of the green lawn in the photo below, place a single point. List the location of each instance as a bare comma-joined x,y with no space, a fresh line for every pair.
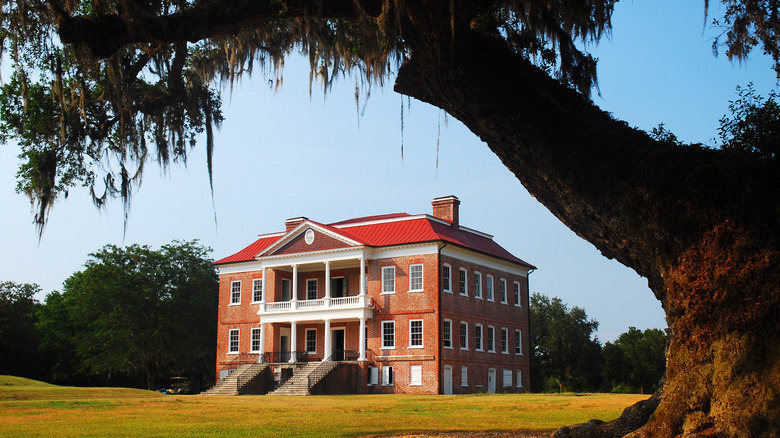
30,408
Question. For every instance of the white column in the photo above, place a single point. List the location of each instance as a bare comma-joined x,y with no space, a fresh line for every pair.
327,283
326,352
362,276
262,340
362,339
263,285
293,341
295,287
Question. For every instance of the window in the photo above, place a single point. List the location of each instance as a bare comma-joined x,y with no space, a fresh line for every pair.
286,291
478,285
502,289
464,335
505,341
311,289
257,290
388,280
373,375
478,337
446,333
235,292
415,375
491,339
415,277
464,376
463,281
518,342
233,341
489,288
338,287
388,376
507,378
517,295
311,341
446,278
388,334
416,333
519,378
255,345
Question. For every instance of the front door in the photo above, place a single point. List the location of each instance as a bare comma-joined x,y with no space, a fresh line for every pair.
492,380
338,287
338,345
284,348
447,380
286,295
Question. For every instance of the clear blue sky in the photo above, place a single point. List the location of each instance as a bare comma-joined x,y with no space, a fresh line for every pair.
286,154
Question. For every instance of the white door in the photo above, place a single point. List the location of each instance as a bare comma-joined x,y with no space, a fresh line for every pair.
492,380
447,380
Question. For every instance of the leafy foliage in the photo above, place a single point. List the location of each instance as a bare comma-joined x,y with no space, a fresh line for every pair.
754,124
636,361
565,356
747,24
135,310
18,336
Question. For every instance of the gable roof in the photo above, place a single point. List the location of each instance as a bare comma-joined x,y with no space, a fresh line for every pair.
383,230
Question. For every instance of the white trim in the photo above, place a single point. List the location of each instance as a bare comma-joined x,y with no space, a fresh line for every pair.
300,229
252,331
411,249
462,347
262,292
504,344
382,335
465,291
519,298
422,277
316,288
388,375
447,286
240,286
230,341
446,320
412,368
422,333
464,371
518,337
481,288
382,280
306,340
492,347
505,296
490,288
481,337
484,260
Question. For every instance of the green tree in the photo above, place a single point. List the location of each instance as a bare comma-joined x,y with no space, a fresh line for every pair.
565,355
131,83
636,361
135,310
18,336
754,124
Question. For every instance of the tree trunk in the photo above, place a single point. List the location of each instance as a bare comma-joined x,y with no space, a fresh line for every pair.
701,225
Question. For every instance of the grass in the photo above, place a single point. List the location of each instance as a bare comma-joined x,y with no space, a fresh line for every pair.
30,408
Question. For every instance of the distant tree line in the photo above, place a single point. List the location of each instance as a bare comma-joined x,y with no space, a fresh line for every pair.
133,317
566,356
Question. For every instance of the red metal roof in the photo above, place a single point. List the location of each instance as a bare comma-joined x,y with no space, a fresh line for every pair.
391,230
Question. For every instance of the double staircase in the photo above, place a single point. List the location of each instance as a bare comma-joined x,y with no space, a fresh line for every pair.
304,378
237,380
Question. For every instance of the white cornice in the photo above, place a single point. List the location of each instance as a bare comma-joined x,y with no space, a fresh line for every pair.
485,260
303,226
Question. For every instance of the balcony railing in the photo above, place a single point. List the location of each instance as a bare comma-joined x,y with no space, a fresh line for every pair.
353,302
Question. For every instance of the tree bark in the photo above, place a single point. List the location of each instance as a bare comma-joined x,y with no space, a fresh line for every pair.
701,225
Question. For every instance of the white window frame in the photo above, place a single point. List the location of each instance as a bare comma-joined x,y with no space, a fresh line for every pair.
479,334
504,340
464,336
519,378
463,281
414,278
415,375
237,332
489,288
257,290
502,290
516,292
478,285
519,342
464,376
446,337
412,334
491,339
235,293
306,340
255,340
373,376
316,288
388,324
388,276
446,277
388,375
507,380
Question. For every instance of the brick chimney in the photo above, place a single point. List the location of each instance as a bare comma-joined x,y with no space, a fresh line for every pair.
294,222
446,208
